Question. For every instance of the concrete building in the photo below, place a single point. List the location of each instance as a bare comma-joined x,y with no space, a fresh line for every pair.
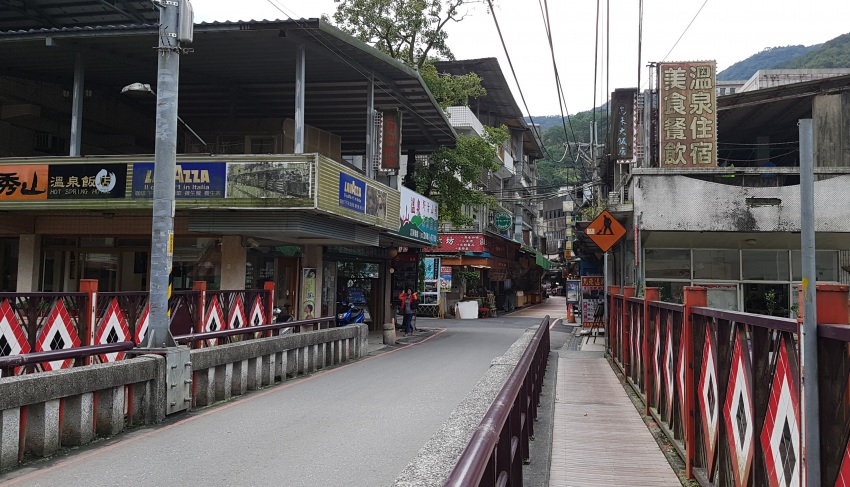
502,246
735,228
251,205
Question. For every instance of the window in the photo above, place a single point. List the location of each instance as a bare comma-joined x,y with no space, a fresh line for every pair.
670,292
826,265
668,263
765,265
716,264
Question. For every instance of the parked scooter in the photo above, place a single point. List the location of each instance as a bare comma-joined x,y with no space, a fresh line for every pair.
351,314
282,316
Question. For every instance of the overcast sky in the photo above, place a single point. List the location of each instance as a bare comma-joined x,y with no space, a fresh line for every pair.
725,30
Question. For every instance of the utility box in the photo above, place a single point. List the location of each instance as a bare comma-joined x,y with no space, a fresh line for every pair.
178,376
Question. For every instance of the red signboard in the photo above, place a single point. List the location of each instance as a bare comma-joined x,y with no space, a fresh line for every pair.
473,242
461,242
391,141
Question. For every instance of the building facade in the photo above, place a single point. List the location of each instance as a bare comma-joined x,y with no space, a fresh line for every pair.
732,221
286,170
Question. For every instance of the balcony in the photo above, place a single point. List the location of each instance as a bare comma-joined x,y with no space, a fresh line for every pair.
464,121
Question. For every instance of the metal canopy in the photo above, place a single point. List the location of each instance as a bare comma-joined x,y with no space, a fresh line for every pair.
242,70
772,112
57,14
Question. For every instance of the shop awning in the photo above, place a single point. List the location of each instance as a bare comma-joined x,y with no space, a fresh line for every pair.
542,261
475,261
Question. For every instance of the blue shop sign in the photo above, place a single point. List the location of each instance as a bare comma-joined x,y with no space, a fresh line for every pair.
192,180
352,193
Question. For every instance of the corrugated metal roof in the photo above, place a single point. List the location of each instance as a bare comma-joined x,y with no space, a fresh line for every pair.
499,103
27,15
241,70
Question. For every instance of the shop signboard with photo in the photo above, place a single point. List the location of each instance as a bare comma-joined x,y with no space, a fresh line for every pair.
344,192
431,292
592,301
191,180
418,217
271,179
573,289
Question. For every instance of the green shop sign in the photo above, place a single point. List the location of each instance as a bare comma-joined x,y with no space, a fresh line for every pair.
502,221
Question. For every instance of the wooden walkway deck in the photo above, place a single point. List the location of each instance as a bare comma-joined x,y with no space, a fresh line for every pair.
599,439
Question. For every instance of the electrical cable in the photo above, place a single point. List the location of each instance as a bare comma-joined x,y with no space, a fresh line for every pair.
562,104
640,41
593,139
519,88
378,86
686,30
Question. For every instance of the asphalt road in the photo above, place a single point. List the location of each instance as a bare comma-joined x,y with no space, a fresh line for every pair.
356,425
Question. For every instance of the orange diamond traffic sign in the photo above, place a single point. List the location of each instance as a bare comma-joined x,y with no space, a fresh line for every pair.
605,230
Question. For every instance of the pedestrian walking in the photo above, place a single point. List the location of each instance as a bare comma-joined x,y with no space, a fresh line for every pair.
409,303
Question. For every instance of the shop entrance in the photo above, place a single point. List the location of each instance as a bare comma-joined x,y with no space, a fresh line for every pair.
360,281
286,286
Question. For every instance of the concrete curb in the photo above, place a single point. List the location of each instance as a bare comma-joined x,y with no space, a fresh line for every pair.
437,458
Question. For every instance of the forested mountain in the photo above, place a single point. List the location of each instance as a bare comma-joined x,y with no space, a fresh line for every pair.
559,166
769,58
831,54
562,166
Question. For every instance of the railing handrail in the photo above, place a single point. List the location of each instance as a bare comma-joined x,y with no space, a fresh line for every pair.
209,335
6,295
475,458
834,332
763,321
665,305
63,354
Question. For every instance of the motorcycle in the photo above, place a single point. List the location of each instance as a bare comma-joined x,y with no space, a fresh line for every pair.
280,316
352,314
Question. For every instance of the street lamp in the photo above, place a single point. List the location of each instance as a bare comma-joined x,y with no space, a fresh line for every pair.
144,88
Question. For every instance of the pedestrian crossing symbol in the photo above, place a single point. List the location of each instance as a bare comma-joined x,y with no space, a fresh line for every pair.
605,231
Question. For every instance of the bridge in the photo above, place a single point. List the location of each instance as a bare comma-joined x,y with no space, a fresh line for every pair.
676,399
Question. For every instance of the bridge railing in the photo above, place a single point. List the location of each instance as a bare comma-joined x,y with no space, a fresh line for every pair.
500,445
79,326
725,386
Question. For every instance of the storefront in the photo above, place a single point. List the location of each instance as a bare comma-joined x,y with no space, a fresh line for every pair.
352,275
759,281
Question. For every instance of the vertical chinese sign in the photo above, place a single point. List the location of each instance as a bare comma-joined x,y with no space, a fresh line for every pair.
391,140
687,114
622,103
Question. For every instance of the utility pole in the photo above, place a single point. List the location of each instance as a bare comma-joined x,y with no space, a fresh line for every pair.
165,160
809,328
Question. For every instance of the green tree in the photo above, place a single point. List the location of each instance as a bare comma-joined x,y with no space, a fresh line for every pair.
450,90
451,174
561,167
412,31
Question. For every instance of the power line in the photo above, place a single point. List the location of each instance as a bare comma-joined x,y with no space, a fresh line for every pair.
683,32
562,104
513,72
402,102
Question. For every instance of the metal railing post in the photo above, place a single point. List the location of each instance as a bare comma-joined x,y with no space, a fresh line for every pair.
695,296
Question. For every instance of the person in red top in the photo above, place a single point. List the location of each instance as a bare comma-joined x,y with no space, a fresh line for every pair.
409,303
